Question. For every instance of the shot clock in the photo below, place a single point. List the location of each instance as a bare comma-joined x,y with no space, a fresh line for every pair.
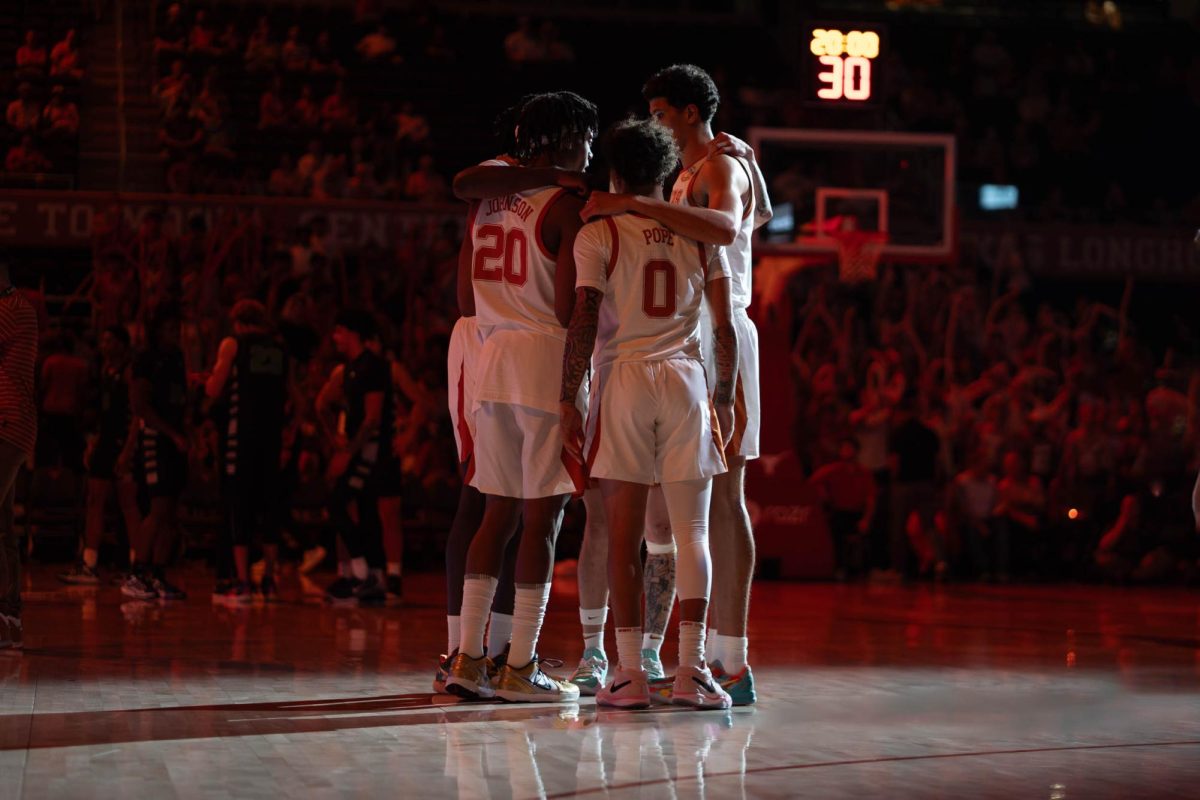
843,64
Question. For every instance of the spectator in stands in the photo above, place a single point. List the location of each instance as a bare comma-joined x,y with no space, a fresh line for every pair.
337,112
377,46
412,129
324,60
262,53
25,157
64,59
522,45
31,56
180,134
1020,506
425,184
202,39
172,89
172,33
363,185
913,453
306,114
285,181
24,113
439,48
209,106
311,159
60,119
272,113
294,54
971,502
848,492
229,43
329,179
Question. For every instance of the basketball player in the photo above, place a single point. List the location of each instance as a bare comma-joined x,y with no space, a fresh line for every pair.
252,375
109,457
491,178
160,403
640,288
719,198
523,271
362,467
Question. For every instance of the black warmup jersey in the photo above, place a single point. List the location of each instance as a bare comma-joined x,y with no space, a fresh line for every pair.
365,375
257,403
168,383
115,410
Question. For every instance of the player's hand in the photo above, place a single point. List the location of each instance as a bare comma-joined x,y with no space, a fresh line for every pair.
338,464
571,425
725,420
603,204
572,181
730,145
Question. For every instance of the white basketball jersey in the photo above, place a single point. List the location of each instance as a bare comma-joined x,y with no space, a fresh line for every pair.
653,283
511,271
738,253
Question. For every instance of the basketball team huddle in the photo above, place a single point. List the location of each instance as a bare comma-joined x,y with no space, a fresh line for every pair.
605,351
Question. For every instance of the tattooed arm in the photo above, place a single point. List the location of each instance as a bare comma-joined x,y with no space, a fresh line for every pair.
577,360
725,352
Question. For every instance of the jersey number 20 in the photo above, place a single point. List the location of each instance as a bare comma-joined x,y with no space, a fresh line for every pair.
658,292
501,256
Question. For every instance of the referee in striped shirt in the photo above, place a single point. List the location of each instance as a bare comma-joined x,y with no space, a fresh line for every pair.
18,432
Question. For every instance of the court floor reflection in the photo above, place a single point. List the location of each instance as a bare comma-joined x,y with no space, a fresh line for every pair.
1052,692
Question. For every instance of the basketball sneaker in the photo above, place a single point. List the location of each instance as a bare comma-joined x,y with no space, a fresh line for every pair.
662,690
740,687
443,672
468,678
235,593
15,637
342,592
529,684
652,664
268,591
371,592
166,590
80,575
139,588
626,689
592,670
696,687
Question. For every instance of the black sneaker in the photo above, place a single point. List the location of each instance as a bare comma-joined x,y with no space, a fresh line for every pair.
139,588
342,591
16,635
235,593
166,590
395,589
267,590
371,592
80,575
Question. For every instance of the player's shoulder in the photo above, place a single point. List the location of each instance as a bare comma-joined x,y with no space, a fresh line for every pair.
721,168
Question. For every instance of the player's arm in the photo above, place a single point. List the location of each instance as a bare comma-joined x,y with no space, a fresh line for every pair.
725,351
563,223
372,416
716,224
464,289
593,252
492,180
329,397
732,145
221,371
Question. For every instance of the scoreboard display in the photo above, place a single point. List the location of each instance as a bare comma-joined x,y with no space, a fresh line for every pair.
843,64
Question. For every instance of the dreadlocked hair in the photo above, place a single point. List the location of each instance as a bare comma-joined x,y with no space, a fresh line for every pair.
506,124
640,151
552,122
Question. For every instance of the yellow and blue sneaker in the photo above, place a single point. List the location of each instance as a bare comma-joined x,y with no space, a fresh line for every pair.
529,684
468,678
592,671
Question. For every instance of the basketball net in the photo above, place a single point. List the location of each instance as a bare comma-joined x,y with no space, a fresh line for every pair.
858,254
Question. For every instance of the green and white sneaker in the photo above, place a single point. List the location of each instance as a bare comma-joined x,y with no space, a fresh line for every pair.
652,664
591,672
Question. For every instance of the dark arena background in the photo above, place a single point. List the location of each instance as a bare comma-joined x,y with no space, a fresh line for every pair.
975,539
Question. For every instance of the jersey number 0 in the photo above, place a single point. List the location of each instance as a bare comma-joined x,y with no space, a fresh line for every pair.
658,291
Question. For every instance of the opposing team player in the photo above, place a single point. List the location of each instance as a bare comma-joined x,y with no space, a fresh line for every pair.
720,198
251,375
640,292
523,274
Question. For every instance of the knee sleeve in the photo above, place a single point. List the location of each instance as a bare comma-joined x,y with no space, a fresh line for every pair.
687,506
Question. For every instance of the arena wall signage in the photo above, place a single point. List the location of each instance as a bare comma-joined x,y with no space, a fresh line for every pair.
69,219
1086,251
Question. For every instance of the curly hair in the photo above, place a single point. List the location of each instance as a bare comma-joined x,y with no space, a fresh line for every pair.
684,85
640,151
551,122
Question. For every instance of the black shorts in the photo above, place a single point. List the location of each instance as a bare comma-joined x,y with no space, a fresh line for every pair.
162,469
377,479
255,507
106,453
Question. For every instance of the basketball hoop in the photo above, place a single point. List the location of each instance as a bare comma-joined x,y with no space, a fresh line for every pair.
858,254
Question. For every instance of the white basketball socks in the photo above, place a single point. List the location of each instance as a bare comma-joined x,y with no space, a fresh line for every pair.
590,618
529,609
629,648
498,633
691,644
453,632
734,651
478,592
711,653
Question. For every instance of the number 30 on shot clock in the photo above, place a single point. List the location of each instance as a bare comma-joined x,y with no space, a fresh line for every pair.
846,62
